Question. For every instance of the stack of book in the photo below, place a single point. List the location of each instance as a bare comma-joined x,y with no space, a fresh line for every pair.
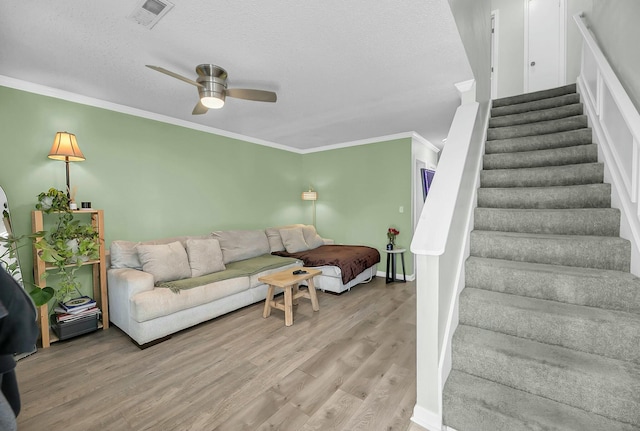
77,309
75,317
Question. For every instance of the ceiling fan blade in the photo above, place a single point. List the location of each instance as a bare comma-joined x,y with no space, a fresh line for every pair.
199,109
175,75
248,94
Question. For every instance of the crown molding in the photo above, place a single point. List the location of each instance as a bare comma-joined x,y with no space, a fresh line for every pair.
43,90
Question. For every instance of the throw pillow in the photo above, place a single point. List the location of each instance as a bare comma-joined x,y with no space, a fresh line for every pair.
311,237
124,255
205,256
166,262
293,240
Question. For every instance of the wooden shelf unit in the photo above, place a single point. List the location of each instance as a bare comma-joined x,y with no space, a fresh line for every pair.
99,268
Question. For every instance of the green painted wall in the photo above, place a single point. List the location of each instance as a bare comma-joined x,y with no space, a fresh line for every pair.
360,190
158,180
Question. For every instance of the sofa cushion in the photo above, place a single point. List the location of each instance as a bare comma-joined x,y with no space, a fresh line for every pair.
311,237
124,255
205,256
293,240
160,302
275,240
166,262
241,244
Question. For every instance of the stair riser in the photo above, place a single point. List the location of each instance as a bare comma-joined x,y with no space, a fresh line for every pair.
608,290
598,222
586,173
586,252
553,157
585,196
536,116
592,392
533,96
602,332
541,142
567,99
554,126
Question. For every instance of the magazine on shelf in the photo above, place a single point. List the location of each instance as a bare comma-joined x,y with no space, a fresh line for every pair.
77,304
67,317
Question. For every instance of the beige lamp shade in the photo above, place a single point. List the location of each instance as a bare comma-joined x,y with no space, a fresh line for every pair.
65,148
310,196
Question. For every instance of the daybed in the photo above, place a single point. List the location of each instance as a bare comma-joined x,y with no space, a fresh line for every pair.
160,287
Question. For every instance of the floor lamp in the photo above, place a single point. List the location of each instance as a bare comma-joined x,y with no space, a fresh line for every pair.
312,196
65,148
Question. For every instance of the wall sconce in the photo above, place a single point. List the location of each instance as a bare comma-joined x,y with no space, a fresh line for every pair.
65,148
311,195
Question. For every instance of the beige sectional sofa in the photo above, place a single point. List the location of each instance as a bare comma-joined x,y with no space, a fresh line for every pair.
160,287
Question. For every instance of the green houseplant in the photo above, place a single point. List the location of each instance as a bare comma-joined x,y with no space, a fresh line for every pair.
67,245
9,261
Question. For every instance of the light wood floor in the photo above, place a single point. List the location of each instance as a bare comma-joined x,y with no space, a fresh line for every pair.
350,366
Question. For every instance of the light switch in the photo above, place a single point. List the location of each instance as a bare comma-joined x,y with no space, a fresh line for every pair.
401,209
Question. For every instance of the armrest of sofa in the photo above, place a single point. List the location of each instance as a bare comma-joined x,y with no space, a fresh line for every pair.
124,283
131,281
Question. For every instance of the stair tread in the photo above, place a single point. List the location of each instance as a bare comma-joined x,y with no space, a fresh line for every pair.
604,252
610,333
474,403
606,386
539,128
542,158
550,102
535,95
587,286
528,117
572,221
564,175
551,140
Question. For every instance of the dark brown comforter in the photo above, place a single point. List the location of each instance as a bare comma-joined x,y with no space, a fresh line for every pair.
351,259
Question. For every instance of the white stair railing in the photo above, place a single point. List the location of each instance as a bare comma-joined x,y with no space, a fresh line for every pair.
440,244
616,125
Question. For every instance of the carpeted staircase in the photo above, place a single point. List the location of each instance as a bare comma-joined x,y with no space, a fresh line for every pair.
549,333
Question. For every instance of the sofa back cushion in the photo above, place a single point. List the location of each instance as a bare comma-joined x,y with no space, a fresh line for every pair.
311,237
293,240
275,240
205,256
166,262
241,244
123,254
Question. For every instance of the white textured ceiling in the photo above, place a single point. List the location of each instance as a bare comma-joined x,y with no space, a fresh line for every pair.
343,70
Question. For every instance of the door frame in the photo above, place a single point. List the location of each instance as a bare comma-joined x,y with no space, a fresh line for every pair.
562,54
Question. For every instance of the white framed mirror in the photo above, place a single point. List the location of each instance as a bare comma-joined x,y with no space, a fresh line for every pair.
8,254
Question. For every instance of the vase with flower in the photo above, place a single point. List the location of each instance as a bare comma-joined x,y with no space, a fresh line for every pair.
391,234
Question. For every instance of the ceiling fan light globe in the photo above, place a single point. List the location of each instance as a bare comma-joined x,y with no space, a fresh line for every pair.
212,102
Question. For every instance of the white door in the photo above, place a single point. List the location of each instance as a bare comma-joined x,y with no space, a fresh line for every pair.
544,44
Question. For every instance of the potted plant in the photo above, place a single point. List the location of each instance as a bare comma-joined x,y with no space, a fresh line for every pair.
9,261
67,245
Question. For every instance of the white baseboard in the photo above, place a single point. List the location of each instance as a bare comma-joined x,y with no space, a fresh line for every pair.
410,277
427,419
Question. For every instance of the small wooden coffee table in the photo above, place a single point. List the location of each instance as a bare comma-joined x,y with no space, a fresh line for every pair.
288,281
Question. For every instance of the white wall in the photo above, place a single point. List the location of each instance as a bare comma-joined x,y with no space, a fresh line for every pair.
473,19
616,27
511,43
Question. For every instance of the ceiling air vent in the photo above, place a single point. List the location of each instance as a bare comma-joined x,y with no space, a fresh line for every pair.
149,12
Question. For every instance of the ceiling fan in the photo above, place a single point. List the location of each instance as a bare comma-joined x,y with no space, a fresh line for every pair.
212,88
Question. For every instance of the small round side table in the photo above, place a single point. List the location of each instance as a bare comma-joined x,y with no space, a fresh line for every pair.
391,264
